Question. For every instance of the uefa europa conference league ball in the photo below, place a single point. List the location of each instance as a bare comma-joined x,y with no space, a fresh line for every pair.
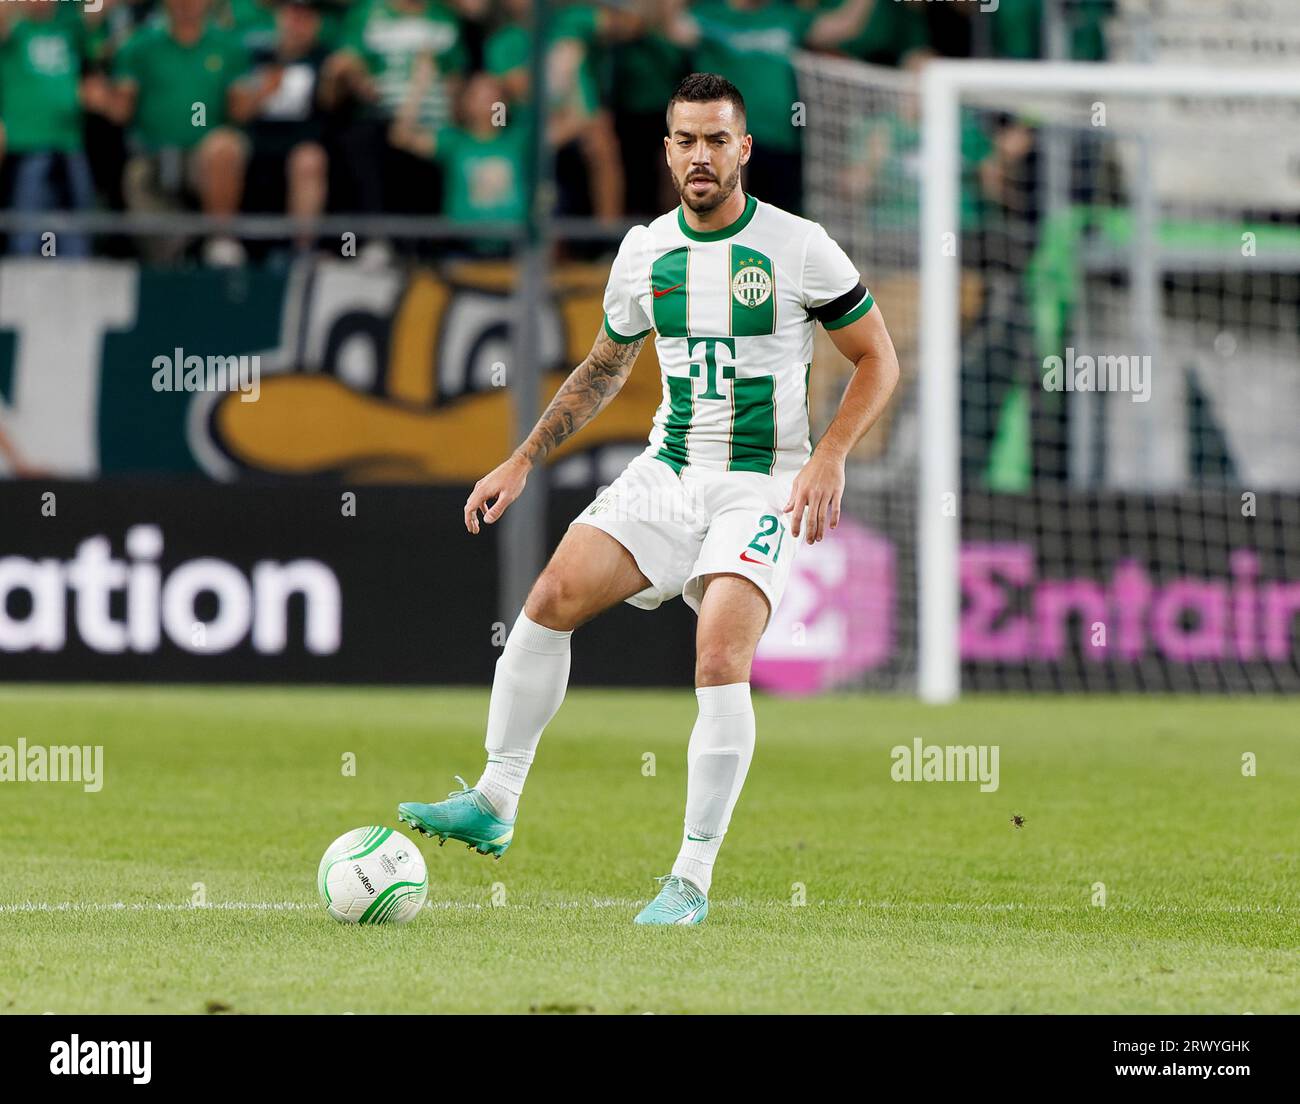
373,876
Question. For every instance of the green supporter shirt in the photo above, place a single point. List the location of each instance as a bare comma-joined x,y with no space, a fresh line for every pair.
506,49
892,30
392,38
752,48
171,78
649,69
582,22
1017,29
252,21
895,193
509,48
485,177
40,66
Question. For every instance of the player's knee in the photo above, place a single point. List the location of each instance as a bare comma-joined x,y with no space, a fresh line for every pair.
720,665
555,601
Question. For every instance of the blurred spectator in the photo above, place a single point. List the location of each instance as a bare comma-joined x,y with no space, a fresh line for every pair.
253,22
380,44
41,53
280,102
884,172
589,165
1010,177
174,77
484,158
391,35
475,16
646,71
348,105
749,42
892,31
1013,29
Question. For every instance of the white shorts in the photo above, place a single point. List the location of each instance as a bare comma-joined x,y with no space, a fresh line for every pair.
681,528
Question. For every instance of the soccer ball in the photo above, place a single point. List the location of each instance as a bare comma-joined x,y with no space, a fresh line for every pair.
373,876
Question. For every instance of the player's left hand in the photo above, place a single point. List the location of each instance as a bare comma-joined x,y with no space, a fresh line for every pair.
502,485
819,487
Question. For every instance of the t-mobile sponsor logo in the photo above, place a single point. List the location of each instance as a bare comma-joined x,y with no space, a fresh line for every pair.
1184,619
155,604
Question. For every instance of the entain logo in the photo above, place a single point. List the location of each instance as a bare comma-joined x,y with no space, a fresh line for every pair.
156,605
837,619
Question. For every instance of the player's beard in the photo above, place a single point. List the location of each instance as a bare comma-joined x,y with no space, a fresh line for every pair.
711,201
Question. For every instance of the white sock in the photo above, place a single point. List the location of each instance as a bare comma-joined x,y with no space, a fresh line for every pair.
718,756
527,689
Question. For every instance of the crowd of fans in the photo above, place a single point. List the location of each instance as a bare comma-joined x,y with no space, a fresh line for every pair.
412,106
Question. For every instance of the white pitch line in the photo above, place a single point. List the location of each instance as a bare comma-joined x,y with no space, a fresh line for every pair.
635,902
153,906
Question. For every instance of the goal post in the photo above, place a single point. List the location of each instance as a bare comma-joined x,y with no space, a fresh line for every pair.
938,514
943,85
1032,230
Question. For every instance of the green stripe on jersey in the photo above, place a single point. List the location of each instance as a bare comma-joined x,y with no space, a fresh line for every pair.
752,293
807,399
622,339
673,451
853,315
753,425
668,282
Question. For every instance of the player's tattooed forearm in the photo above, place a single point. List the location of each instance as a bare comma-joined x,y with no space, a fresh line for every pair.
586,392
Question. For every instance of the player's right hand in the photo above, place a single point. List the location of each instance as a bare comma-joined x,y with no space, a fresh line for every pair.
503,484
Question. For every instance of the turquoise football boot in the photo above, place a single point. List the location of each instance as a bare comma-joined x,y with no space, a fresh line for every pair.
679,902
465,816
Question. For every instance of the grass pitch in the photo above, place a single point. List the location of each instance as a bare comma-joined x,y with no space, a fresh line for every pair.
920,897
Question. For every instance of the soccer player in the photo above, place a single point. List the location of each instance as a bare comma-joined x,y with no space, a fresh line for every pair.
714,508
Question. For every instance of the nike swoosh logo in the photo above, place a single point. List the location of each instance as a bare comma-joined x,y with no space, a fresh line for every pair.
661,294
750,559
700,839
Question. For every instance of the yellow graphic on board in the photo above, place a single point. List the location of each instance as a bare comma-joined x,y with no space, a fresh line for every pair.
312,422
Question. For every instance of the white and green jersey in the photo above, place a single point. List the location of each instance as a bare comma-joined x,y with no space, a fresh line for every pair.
733,313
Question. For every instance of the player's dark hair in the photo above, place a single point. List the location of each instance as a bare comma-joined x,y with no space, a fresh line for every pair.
705,88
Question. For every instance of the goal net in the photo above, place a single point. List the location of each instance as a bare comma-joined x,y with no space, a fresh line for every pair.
1090,476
